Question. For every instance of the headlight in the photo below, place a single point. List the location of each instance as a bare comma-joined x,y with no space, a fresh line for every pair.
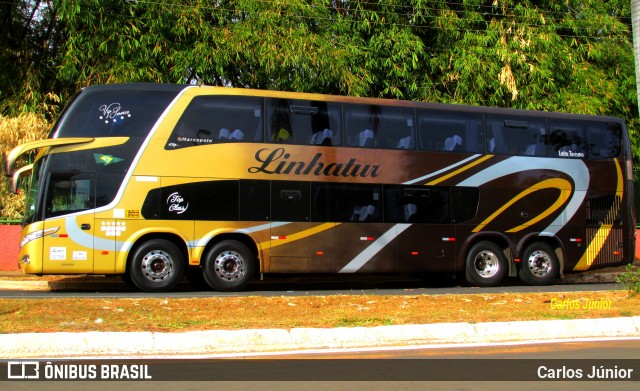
37,235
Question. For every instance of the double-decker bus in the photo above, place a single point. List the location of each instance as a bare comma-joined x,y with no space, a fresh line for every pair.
151,181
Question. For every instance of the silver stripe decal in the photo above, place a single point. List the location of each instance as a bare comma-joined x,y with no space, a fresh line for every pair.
84,239
436,173
204,240
365,256
575,168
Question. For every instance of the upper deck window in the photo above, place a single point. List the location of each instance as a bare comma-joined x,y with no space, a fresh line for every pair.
373,126
303,122
585,139
516,135
218,119
449,131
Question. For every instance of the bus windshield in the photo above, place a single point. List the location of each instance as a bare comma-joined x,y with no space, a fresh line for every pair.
31,200
112,112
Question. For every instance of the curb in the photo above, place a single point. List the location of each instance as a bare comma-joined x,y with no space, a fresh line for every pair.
220,342
96,283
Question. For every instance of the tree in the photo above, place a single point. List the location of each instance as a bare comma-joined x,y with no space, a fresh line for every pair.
572,55
29,39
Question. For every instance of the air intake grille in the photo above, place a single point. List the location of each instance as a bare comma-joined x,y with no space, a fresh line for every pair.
604,231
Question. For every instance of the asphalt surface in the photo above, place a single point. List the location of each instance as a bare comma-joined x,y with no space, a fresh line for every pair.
236,342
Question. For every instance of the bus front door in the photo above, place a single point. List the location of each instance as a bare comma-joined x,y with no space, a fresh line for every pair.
70,201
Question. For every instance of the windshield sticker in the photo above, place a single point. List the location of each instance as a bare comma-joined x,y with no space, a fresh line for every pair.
106,159
113,113
176,203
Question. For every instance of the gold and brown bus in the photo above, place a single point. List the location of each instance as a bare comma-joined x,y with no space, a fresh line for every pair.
147,181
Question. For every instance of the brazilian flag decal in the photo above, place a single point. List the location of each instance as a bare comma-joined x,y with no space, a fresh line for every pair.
106,159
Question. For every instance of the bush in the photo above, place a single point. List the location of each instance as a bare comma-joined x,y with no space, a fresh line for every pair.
630,280
13,132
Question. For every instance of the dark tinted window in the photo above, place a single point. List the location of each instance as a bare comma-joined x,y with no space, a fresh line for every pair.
215,200
409,204
289,201
346,202
372,126
568,138
117,112
464,203
69,192
580,139
605,139
218,119
449,131
254,200
303,122
516,135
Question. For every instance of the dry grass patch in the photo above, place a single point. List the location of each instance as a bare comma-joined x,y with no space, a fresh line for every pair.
184,314
14,131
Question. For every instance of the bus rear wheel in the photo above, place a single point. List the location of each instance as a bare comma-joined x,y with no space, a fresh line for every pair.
157,265
540,265
229,266
486,264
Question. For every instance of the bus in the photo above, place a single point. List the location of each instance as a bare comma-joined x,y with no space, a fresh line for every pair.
154,182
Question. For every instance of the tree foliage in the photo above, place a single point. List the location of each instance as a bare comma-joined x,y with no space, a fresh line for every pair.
569,55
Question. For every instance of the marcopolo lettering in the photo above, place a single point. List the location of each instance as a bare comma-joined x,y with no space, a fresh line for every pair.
278,161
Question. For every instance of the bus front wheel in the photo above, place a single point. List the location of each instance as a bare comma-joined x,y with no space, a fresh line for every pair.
157,265
486,264
229,266
540,265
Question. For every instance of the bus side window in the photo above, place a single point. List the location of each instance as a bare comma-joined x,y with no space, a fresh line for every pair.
605,140
568,138
255,200
361,125
290,201
279,121
410,204
218,119
303,122
339,202
516,135
370,126
449,131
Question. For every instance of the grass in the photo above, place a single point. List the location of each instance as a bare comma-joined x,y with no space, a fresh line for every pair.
185,314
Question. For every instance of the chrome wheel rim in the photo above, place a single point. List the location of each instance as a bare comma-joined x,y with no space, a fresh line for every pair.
229,265
157,265
486,264
539,263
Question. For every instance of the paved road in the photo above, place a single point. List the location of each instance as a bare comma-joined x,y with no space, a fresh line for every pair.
109,288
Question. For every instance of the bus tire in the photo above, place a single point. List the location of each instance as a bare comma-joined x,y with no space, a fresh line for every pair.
126,278
157,265
486,265
540,265
229,266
